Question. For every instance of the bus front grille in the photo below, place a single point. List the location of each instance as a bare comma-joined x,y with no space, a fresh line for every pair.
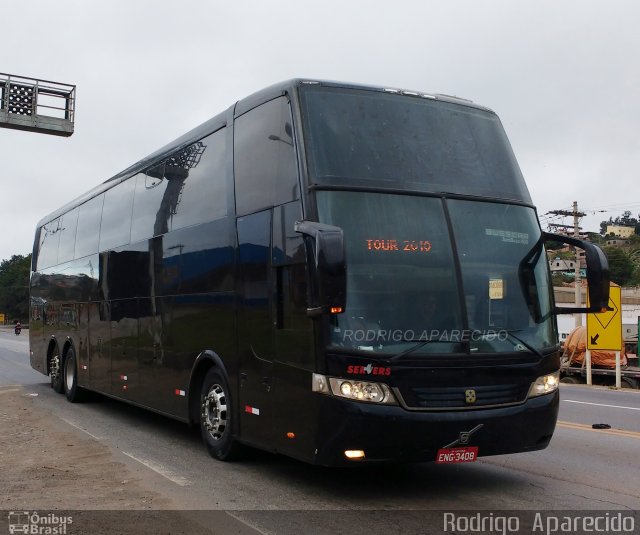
433,398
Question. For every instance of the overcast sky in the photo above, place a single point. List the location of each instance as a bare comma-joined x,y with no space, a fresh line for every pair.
564,76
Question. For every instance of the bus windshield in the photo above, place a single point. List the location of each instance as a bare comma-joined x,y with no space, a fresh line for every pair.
403,286
376,139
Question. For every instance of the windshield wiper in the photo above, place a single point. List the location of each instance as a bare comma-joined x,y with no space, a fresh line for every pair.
404,353
521,341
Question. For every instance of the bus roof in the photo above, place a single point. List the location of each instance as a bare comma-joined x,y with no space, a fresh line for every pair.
220,120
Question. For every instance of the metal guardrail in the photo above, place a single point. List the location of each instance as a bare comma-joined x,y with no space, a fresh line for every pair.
37,105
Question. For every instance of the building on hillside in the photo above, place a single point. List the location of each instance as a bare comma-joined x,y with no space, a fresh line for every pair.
561,264
617,242
620,231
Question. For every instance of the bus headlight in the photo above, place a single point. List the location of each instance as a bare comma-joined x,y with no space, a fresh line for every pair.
366,391
545,385
362,391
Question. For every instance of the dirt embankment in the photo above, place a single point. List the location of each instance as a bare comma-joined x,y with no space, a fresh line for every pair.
46,465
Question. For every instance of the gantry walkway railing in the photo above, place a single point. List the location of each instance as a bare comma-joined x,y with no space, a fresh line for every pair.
36,105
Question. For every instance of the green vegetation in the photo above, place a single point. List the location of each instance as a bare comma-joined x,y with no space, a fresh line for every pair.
624,261
624,220
623,270
14,287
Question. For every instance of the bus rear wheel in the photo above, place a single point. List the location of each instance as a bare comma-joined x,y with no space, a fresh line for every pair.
71,389
55,371
216,423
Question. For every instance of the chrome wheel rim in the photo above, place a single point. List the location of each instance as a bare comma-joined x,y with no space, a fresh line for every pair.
214,412
55,368
70,375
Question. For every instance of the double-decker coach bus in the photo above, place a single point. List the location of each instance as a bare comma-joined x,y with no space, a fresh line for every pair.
334,272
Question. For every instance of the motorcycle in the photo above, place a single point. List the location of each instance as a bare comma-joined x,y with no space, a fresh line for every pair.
18,329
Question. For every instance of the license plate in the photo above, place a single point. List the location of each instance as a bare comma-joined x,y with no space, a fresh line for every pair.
467,454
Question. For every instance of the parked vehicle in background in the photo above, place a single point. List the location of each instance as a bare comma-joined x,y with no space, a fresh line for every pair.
603,363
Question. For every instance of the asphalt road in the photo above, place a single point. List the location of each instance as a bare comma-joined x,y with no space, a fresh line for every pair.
582,469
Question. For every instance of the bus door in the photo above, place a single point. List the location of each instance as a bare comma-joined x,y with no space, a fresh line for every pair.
255,328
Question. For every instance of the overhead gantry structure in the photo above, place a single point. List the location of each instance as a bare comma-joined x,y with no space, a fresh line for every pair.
37,105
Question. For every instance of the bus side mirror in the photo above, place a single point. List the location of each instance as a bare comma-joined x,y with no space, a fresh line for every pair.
597,274
328,271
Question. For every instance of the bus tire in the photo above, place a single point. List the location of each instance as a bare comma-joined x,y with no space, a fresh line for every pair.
55,371
629,382
216,417
570,380
71,389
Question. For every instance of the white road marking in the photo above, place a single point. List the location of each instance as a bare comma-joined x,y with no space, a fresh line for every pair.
249,524
80,428
160,469
602,405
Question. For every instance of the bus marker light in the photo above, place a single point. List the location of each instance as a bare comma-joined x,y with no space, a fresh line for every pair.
252,410
123,377
124,387
354,455
291,435
180,392
337,310
319,383
84,367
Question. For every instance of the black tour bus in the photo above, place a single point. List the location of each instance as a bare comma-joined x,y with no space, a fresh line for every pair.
333,272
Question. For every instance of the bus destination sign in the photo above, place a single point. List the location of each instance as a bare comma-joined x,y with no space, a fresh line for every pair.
409,246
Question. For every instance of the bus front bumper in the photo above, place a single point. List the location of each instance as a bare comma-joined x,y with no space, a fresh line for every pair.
391,433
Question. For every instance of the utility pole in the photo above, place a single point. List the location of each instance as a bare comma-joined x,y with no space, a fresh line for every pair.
576,233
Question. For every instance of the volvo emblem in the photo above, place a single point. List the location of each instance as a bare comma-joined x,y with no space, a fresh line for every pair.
464,437
470,396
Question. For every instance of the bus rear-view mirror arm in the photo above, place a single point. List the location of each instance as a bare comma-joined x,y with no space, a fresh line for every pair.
327,266
597,274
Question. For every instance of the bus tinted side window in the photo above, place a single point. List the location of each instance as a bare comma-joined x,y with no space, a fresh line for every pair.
68,236
115,229
188,188
203,196
49,239
88,232
264,157
148,220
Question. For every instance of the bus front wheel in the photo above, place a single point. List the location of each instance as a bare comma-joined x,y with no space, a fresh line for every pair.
216,423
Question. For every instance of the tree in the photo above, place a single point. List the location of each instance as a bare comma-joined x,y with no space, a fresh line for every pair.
624,220
14,287
621,267
603,226
594,237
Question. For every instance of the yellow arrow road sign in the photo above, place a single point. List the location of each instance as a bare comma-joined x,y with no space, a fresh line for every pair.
604,329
